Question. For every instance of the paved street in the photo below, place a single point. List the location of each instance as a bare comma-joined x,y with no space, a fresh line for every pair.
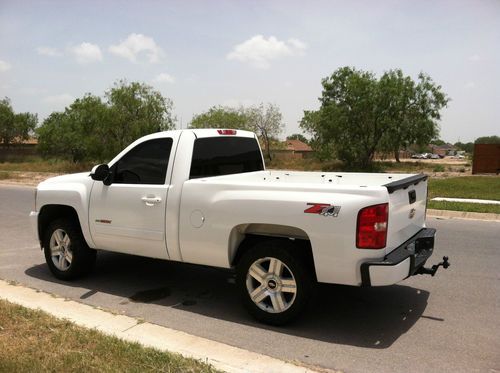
449,323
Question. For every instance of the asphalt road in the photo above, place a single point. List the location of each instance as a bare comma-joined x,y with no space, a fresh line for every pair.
448,323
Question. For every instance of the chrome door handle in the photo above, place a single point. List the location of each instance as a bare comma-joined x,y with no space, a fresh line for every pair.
151,201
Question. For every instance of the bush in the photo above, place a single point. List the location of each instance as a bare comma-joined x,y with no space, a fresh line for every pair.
438,168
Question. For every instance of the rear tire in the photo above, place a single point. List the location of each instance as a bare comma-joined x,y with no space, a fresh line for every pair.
66,252
275,281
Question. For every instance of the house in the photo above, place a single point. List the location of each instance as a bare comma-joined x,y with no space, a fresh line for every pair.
445,149
298,148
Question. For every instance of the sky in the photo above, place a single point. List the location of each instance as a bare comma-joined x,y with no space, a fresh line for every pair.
206,53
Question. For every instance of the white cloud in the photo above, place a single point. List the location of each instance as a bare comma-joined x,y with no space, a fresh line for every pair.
164,78
86,53
63,99
259,51
48,51
4,66
474,58
134,45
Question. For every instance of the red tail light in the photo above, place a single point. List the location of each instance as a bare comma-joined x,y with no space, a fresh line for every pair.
227,132
371,232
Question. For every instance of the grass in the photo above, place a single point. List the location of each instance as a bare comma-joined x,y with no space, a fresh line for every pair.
33,341
481,187
4,175
42,165
463,206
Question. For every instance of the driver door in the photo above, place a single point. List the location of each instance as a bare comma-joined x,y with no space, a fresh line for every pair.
128,216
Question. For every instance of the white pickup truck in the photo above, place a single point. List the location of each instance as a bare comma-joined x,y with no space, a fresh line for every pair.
203,196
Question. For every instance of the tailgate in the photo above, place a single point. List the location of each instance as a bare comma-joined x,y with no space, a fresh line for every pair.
407,204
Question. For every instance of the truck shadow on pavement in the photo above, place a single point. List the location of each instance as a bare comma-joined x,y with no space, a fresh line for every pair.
363,317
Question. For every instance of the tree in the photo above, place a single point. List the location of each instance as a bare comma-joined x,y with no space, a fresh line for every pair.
15,127
412,112
298,136
221,117
95,129
137,110
437,142
360,114
467,147
266,121
487,140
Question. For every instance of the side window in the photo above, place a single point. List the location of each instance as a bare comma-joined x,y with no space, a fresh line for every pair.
144,164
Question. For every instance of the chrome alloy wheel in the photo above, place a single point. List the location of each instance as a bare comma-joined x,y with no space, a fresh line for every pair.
60,250
271,285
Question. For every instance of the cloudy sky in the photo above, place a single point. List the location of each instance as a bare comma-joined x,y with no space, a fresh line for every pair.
205,53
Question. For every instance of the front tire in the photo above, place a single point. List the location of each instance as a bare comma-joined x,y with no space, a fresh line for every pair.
274,281
66,252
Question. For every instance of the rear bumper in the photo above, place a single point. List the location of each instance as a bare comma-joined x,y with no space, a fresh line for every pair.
402,262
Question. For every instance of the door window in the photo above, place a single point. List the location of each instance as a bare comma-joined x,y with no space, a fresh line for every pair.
146,163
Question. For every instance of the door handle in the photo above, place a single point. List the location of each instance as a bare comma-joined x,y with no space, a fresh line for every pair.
151,201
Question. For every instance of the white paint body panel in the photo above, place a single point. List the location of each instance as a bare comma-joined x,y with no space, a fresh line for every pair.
202,221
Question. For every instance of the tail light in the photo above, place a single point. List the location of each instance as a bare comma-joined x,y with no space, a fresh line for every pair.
371,232
226,132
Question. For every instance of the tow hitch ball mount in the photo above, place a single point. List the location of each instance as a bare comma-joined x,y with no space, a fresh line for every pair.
432,271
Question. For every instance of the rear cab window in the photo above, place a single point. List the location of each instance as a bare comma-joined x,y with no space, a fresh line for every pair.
217,156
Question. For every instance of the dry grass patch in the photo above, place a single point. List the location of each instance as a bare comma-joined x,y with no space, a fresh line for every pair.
33,341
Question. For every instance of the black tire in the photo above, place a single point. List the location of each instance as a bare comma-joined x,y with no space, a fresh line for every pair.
297,264
83,257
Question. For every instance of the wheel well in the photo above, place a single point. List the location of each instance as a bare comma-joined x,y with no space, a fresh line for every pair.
303,247
49,213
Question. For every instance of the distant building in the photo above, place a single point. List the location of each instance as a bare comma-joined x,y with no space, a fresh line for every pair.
446,149
486,159
298,148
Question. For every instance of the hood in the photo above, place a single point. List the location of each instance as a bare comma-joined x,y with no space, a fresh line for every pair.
71,178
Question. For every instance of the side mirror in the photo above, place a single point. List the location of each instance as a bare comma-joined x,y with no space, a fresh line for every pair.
100,173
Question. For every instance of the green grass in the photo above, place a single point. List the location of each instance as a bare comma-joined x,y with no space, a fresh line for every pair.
33,341
481,187
463,206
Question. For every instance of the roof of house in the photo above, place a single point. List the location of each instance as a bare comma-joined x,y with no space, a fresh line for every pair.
297,146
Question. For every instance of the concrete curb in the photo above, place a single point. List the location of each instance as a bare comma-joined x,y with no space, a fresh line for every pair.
219,355
462,215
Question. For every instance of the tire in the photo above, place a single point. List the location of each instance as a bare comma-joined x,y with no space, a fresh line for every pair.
266,276
66,252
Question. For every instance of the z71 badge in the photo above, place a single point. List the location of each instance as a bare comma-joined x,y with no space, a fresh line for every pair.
323,209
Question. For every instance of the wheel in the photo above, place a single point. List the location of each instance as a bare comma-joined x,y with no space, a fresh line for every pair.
275,281
66,252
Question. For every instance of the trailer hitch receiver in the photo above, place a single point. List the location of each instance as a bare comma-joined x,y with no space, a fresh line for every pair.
432,271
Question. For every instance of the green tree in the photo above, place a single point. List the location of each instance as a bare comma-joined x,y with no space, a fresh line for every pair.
15,127
437,142
137,110
81,132
298,136
264,119
360,114
487,140
412,110
221,117
95,129
267,122
467,147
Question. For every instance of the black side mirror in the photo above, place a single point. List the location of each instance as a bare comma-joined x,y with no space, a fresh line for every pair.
100,173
